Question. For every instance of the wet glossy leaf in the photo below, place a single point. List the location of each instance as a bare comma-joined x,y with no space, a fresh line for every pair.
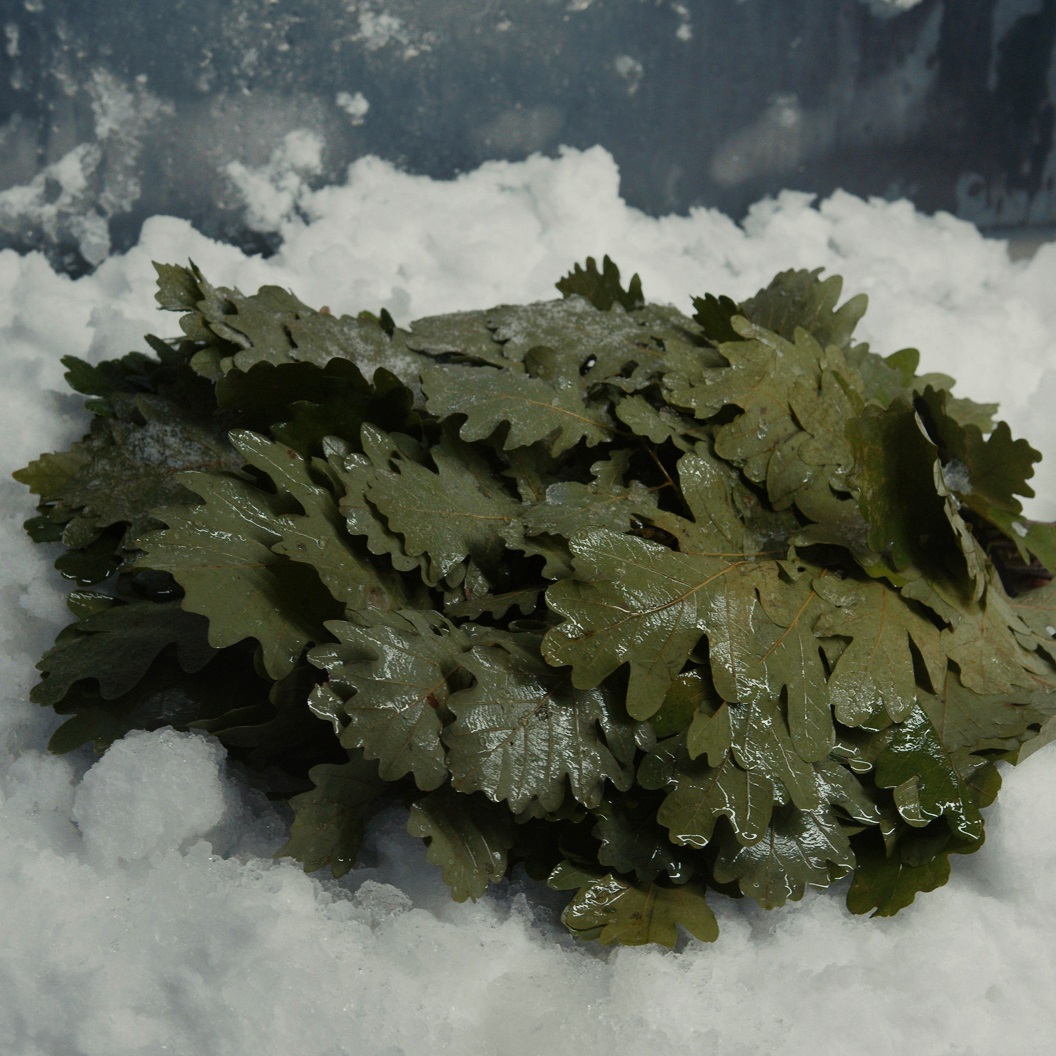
244,557
393,682
633,842
444,515
885,881
926,783
909,521
986,474
523,733
613,910
699,794
875,674
799,848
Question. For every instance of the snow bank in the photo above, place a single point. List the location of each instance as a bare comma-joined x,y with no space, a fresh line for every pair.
139,906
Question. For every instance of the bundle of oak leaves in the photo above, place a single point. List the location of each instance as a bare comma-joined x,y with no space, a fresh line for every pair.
646,606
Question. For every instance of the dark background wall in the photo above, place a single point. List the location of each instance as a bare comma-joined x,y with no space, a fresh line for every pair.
113,110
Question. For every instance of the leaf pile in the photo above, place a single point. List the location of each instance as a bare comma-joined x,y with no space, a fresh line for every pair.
646,605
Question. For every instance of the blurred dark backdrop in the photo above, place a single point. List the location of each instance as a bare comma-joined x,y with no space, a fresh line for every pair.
113,110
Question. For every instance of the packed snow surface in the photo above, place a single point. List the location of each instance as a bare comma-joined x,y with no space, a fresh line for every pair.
140,909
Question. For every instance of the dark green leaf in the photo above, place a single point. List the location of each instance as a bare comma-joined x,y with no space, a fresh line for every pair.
602,288
531,409
116,646
393,681
523,733
468,837
329,821
615,911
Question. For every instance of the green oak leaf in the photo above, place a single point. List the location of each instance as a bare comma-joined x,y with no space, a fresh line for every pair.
530,409
801,299
392,681
569,507
468,837
1035,619
355,472
799,848
887,879
329,821
164,694
631,841
116,646
447,513
875,674
602,288
634,601
222,553
897,477
615,911
964,718
988,652
699,794
524,734
926,783
985,473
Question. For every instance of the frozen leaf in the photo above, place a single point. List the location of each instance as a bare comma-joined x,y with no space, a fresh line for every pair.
179,288
459,337
131,460
570,344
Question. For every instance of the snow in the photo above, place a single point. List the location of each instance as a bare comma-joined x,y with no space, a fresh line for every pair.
140,907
